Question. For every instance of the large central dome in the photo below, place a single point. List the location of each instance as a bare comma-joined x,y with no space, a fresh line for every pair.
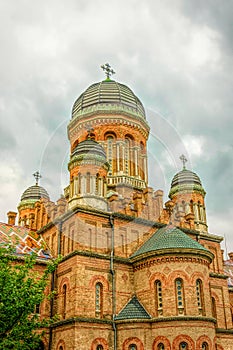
108,95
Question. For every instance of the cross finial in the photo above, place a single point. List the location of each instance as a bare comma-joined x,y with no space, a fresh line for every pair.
183,160
108,70
37,176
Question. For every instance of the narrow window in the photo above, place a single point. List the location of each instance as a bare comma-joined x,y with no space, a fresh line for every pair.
214,309
158,297
88,181
37,309
205,346
127,143
183,346
199,293
64,292
133,347
98,300
60,347
99,347
179,296
110,152
108,241
160,346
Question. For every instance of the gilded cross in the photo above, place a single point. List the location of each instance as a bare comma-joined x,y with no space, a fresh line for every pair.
183,160
37,176
108,70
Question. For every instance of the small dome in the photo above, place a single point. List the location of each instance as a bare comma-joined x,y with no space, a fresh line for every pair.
107,95
185,176
34,193
186,180
89,148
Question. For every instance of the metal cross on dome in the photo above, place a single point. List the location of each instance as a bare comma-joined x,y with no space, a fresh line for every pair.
108,70
37,176
183,160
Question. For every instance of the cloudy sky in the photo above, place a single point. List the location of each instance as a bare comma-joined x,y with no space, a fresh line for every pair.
175,55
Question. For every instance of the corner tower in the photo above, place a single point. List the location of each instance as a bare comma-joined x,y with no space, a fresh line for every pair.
111,114
188,196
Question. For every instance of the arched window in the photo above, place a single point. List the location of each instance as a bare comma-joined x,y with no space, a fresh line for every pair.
110,152
60,347
64,295
180,296
158,297
199,293
133,347
98,300
88,179
214,309
183,346
127,156
160,346
191,206
99,347
205,346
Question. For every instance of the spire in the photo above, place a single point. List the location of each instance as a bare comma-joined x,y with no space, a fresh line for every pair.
107,70
37,176
183,160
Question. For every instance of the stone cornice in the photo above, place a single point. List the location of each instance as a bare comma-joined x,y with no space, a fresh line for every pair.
161,257
218,275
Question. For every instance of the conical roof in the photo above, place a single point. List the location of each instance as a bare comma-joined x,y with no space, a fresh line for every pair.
167,239
133,310
106,95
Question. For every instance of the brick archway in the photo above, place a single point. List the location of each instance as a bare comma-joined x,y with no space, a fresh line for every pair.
99,341
161,339
203,339
132,340
185,338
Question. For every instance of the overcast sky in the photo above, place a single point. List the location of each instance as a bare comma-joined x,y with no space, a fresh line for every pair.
175,55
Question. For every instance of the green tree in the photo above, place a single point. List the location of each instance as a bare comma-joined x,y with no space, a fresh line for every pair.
21,289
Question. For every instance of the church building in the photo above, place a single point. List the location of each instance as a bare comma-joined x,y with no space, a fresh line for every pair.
138,272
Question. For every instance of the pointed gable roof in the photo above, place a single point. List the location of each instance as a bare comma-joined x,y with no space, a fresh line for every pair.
168,238
133,310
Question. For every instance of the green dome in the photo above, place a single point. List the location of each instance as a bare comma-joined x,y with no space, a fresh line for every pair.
166,239
89,148
35,192
108,95
186,181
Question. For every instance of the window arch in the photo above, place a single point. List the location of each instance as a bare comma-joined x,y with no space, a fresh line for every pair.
183,346
160,346
99,300
158,297
199,293
180,296
64,296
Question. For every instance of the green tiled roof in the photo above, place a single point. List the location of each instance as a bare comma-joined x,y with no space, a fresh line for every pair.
168,238
133,310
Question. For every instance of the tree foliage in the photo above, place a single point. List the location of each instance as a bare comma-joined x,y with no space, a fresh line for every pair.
21,289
